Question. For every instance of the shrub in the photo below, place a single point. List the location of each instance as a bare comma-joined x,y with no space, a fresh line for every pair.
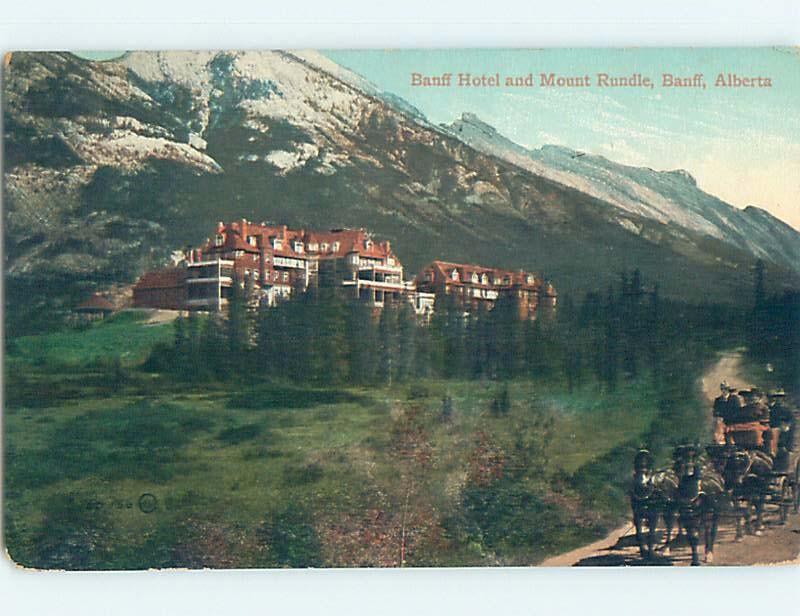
288,539
240,434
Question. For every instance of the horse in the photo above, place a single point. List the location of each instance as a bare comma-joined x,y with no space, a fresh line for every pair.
701,497
652,496
747,475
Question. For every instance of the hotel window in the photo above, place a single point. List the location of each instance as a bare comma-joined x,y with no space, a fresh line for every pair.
298,246
336,247
251,239
323,247
277,244
219,240
285,276
474,277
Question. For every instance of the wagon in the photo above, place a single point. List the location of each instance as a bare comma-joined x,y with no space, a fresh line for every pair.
782,488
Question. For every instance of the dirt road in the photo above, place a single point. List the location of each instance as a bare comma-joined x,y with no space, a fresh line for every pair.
778,544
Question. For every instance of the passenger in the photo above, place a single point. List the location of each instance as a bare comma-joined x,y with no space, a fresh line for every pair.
720,413
782,418
736,406
755,407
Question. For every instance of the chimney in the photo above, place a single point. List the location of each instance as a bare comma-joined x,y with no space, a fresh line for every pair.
262,265
243,228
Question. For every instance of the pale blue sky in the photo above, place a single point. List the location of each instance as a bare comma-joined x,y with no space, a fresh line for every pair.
741,144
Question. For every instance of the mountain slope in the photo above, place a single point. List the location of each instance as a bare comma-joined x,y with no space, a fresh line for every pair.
667,197
112,166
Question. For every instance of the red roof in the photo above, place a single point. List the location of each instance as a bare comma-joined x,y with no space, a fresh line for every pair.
96,303
330,244
162,279
495,277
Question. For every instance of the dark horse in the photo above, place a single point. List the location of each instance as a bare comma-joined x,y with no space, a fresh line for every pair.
653,494
701,498
747,475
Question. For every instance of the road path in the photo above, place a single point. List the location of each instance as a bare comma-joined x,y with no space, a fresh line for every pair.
778,544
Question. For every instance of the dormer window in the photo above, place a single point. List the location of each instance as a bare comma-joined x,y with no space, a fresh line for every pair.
251,239
474,278
484,279
219,240
313,247
323,246
454,274
336,247
367,244
529,279
277,244
298,246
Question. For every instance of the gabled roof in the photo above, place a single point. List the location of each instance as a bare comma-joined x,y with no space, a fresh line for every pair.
161,279
465,271
96,303
337,242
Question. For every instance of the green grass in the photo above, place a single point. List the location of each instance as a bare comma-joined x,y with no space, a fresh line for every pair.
122,335
271,474
225,467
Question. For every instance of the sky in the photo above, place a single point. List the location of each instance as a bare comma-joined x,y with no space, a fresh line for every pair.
740,144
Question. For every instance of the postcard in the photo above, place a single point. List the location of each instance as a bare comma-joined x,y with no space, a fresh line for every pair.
401,308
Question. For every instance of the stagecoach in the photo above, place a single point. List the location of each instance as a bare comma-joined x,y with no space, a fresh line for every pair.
781,484
756,466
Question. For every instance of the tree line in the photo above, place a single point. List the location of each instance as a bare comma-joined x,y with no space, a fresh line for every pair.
322,337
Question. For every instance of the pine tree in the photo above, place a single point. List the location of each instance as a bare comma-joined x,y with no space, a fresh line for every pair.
213,347
387,330
611,343
237,329
181,345
362,337
328,357
437,333
406,341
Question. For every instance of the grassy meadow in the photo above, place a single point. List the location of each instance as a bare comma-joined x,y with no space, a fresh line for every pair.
108,466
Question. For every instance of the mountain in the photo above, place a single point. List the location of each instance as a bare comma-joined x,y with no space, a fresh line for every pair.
110,166
668,197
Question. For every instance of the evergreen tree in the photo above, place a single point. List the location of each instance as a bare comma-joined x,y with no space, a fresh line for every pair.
329,352
362,344
570,342
213,348
237,325
406,341
387,330
437,333
611,343
181,344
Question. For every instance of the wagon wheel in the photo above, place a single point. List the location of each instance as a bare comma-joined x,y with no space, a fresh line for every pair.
796,487
786,497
